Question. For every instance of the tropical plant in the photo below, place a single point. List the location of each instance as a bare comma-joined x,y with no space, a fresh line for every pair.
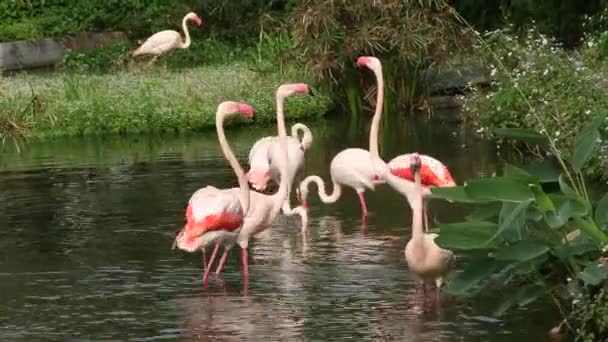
410,36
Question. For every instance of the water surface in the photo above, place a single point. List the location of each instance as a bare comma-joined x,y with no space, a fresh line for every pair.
86,228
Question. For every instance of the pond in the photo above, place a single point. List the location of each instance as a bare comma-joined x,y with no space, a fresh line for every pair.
86,228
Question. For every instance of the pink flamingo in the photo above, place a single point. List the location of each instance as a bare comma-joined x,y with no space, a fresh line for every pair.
265,158
427,260
265,208
168,40
215,215
354,167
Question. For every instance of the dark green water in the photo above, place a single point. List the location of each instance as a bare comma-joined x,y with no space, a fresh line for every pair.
86,228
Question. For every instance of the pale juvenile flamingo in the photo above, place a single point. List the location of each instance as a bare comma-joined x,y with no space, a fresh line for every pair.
215,215
167,40
354,167
264,161
427,260
265,208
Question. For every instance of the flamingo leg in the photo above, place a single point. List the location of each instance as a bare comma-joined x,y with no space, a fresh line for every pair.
426,218
245,258
205,260
438,295
220,265
208,269
424,289
363,204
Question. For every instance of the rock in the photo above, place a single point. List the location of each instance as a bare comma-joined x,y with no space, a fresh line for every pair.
30,54
454,81
93,40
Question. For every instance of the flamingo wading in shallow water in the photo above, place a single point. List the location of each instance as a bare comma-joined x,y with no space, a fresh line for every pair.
165,41
214,215
427,260
354,167
264,159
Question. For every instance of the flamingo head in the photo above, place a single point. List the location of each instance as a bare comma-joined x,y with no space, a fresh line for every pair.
258,178
289,89
187,242
302,194
231,107
372,63
415,163
193,16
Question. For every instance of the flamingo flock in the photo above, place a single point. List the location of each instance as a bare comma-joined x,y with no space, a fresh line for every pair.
225,217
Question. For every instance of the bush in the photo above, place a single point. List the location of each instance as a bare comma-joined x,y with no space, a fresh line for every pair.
560,88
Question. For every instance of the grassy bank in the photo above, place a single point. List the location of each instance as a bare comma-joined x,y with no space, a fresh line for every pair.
72,103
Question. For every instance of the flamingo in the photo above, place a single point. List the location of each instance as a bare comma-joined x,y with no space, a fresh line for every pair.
264,159
215,215
265,208
165,41
354,167
427,260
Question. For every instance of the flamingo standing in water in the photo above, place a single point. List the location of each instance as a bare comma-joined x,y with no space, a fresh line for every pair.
265,208
215,215
265,156
354,167
427,260
168,40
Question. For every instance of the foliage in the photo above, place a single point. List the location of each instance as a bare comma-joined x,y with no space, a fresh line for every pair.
161,100
561,89
408,36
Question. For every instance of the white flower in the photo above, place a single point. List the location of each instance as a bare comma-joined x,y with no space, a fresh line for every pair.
545,72
588,111
493,72
590,43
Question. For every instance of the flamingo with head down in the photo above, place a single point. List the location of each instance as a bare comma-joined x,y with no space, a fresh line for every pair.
165,41
214,215
264,159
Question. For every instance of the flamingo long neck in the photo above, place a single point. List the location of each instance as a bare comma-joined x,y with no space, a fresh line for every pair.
187,41
325,198
375,129
306,140
417,232
281,194
234,163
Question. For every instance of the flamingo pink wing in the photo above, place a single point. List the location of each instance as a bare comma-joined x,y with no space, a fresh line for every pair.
432,171
210,208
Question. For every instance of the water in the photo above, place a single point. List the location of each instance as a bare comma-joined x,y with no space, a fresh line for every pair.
86,228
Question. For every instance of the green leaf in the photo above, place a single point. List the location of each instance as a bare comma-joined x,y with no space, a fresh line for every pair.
455,193
513,172
484,211
545,172
564,185
498,189
472,275
594,274
510,215
522,251
542,200
591,229
522,134
601,212
466,235
584,147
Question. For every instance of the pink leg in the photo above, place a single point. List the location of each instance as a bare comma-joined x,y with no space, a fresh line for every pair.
424,289
206,275
363,204
220,266
205,261
245,262
438,295
426,218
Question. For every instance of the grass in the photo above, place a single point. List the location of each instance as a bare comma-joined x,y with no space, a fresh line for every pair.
160,100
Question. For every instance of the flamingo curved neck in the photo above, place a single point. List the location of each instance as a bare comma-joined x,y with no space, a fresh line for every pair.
375,128
417,232
187,41
306,140
234,163
325,198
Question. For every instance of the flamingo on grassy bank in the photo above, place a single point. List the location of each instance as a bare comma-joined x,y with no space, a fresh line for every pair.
354,167
427,260
264,159
165,41
214,215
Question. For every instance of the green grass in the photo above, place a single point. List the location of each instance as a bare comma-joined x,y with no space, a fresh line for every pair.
159,100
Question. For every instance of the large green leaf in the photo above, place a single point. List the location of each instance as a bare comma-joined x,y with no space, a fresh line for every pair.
594,274
466,235
601,212
484,211
542,199
521,251
498,189
521,134
456,194
585,145
544,172
510,216
513,172
472,275
564,185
